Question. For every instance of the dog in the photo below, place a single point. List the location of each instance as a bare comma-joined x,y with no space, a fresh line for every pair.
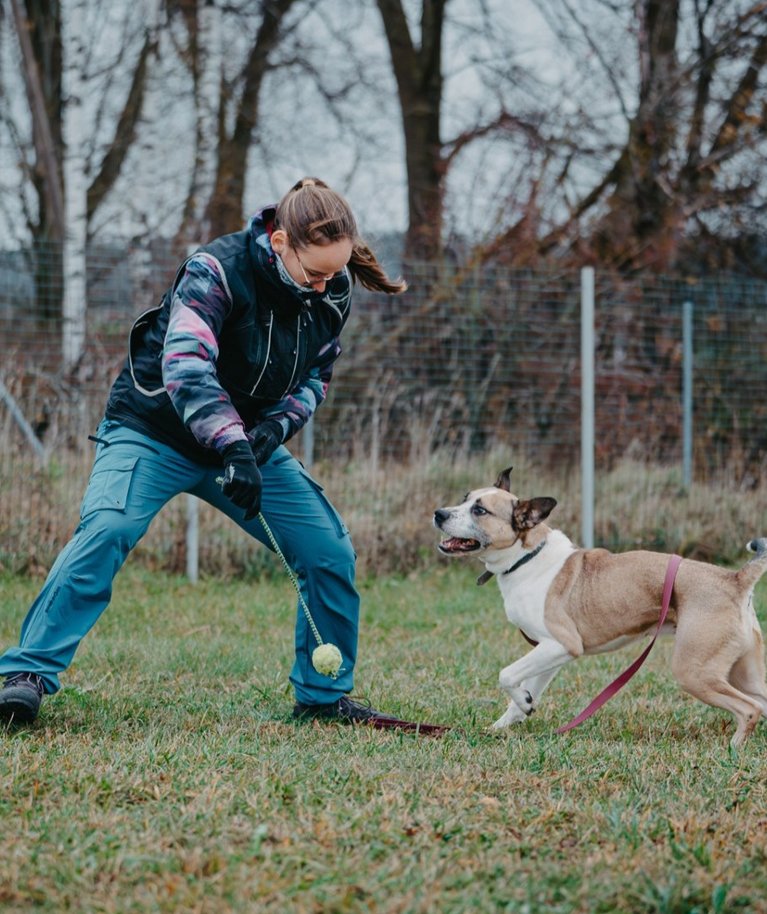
574,601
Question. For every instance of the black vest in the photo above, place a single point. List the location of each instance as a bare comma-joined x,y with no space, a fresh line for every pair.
268,341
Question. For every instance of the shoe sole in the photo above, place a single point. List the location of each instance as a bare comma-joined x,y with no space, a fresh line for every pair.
18,711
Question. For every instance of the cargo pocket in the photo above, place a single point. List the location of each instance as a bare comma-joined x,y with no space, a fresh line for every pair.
335,518
109,485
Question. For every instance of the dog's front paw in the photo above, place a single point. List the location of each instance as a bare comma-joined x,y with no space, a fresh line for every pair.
512,715
523,700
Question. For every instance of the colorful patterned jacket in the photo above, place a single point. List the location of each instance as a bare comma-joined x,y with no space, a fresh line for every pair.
231,343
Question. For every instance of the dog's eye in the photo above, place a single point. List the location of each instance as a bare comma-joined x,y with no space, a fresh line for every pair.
478,509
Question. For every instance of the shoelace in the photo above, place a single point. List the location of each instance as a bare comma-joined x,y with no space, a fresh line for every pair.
356,708
31,679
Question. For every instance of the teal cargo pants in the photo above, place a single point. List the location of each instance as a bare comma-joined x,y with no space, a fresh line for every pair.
133,476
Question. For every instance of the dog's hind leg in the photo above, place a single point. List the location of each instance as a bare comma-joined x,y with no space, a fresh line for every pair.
704,667
721,694
748,674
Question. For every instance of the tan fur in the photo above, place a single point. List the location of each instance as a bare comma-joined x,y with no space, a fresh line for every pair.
583,601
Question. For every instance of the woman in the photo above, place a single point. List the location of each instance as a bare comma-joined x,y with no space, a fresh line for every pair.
230,365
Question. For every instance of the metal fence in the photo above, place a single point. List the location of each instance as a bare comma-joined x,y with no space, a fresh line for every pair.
470,370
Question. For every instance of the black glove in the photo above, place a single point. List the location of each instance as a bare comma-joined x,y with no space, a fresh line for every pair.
242,480
267,437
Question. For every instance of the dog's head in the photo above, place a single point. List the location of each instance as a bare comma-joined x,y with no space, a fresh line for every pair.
490,518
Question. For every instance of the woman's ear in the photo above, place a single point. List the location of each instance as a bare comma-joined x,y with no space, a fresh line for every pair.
279,240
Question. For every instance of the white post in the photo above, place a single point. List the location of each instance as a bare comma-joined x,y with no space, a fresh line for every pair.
308,436
192,538
75,188
587,407
208,102
687,356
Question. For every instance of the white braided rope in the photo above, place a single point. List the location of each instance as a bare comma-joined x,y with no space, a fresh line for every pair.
326,657
292,577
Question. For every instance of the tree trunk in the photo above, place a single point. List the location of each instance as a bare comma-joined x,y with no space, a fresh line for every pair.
224,210
127,123
76,194
38,28
418,72
641,227
206,59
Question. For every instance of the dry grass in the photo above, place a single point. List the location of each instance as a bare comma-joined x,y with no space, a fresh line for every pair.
388,509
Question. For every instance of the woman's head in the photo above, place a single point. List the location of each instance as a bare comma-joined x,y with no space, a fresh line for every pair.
315,234
312,213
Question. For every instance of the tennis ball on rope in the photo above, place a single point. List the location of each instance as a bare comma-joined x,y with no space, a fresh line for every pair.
327,660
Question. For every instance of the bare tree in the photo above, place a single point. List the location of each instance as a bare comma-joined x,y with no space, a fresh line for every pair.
38,27
682,137
481,52
39,142
227,108
418,71
691,104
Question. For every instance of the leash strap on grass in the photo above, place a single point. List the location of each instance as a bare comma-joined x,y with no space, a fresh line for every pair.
617,684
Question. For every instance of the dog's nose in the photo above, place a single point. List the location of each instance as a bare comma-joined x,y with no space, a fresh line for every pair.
440,516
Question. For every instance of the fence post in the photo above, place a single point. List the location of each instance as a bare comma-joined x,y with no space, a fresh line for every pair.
308,442
192,538
587,407
29,433
687,357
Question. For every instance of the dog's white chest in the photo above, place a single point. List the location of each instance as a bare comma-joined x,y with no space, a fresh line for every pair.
524,597
524,607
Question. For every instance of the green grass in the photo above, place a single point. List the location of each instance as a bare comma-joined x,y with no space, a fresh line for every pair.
167,775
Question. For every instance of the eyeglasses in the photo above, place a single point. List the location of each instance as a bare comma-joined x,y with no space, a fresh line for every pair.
312,277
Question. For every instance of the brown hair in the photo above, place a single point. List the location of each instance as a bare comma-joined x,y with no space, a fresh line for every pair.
312,213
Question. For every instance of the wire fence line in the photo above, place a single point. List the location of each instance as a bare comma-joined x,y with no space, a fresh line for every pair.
470,369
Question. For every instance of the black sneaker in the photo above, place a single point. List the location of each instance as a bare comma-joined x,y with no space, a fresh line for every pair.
344,710
20,697
347,711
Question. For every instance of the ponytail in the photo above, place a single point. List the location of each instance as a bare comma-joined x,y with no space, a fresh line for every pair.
312,213
364,267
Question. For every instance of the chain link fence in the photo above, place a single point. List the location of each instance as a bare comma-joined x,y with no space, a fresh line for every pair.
470,371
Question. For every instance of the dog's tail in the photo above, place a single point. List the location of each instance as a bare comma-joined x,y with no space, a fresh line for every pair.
756,567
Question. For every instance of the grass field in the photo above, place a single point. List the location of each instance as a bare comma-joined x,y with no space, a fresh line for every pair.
167,775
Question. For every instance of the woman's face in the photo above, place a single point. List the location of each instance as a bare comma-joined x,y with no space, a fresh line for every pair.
314,265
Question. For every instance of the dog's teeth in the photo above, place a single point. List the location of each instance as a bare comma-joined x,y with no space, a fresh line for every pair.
458,544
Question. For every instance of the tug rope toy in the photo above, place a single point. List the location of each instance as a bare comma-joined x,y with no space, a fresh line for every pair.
326,657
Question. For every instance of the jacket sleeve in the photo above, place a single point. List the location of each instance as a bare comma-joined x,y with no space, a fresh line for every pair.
197,312
295,410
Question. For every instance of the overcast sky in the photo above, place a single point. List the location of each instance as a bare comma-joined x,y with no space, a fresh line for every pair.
297,135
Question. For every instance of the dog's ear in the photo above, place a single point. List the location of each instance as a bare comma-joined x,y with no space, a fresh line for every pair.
504,480
528,514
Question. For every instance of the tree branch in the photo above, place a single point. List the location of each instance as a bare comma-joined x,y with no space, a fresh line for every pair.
125,130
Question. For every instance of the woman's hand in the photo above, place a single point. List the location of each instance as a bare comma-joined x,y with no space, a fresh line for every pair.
242,479
267,437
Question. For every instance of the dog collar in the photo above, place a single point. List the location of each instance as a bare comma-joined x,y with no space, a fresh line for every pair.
485,577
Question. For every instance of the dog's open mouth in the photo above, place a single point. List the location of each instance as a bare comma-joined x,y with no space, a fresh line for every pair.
456,544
